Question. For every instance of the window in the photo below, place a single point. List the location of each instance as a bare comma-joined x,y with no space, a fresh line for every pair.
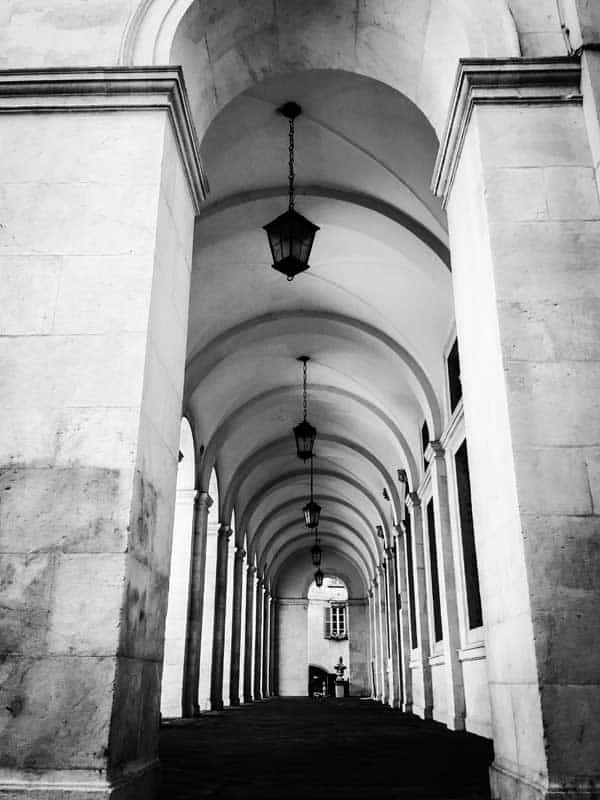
414,642
425,442
435,580
335,622
453,369
463,485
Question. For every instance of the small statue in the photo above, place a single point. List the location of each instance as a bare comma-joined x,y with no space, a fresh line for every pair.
340,668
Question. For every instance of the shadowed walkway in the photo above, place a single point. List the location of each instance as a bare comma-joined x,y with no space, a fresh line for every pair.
297,748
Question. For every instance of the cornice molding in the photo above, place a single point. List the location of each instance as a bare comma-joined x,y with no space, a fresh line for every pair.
500,81
113,89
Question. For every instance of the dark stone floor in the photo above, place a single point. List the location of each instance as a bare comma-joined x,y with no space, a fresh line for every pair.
302,749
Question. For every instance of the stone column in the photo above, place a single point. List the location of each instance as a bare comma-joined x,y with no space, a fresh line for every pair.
273,649
265,643
234,674
448,598
516,173
404,620
395,690
258,628
99,189
193,636
373,669
216,680
421,671
382,620
249,641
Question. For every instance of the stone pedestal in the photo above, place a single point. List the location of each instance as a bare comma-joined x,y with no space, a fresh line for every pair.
517,174
191,667
100,185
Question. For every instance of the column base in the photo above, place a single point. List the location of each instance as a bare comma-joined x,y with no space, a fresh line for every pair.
234,701
407,707
507,785
141,782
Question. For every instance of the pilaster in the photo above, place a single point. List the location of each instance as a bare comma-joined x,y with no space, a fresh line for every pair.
419,662
88,363
455,714
395,683
517,173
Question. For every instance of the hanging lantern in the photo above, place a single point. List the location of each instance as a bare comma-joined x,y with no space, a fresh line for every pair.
319,578
316,553
312,513
291,235
304,432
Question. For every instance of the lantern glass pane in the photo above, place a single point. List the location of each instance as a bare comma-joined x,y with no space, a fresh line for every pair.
319,577
305,438
312,512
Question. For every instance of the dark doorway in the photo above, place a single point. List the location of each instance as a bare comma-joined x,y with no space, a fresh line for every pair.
320,682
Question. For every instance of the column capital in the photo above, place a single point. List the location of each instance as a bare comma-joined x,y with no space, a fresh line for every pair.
434,450
259,582
374,581
251,569
203,499
499,81
380,568
240,553
413,500
98,89
390,552
402,476
370,592
225,530
399,529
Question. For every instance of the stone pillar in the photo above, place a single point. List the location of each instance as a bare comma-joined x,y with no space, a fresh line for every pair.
395,691
99,189
372,645
216,678
380,594
517,176
404,620
273,649
234,674
448,597
379,693
193,636
421,671
258,628
265,643
249,641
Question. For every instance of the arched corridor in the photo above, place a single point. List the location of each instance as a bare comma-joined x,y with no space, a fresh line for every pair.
160,552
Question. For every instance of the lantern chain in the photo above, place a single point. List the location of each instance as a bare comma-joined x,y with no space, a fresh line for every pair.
304,400
291,162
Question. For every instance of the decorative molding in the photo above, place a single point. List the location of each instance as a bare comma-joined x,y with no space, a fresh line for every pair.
203,500
434,450
413,501
225,530
111,89
500,81
240,553
251,569
77,782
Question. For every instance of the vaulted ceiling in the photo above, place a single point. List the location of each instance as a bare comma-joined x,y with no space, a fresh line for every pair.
373,312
